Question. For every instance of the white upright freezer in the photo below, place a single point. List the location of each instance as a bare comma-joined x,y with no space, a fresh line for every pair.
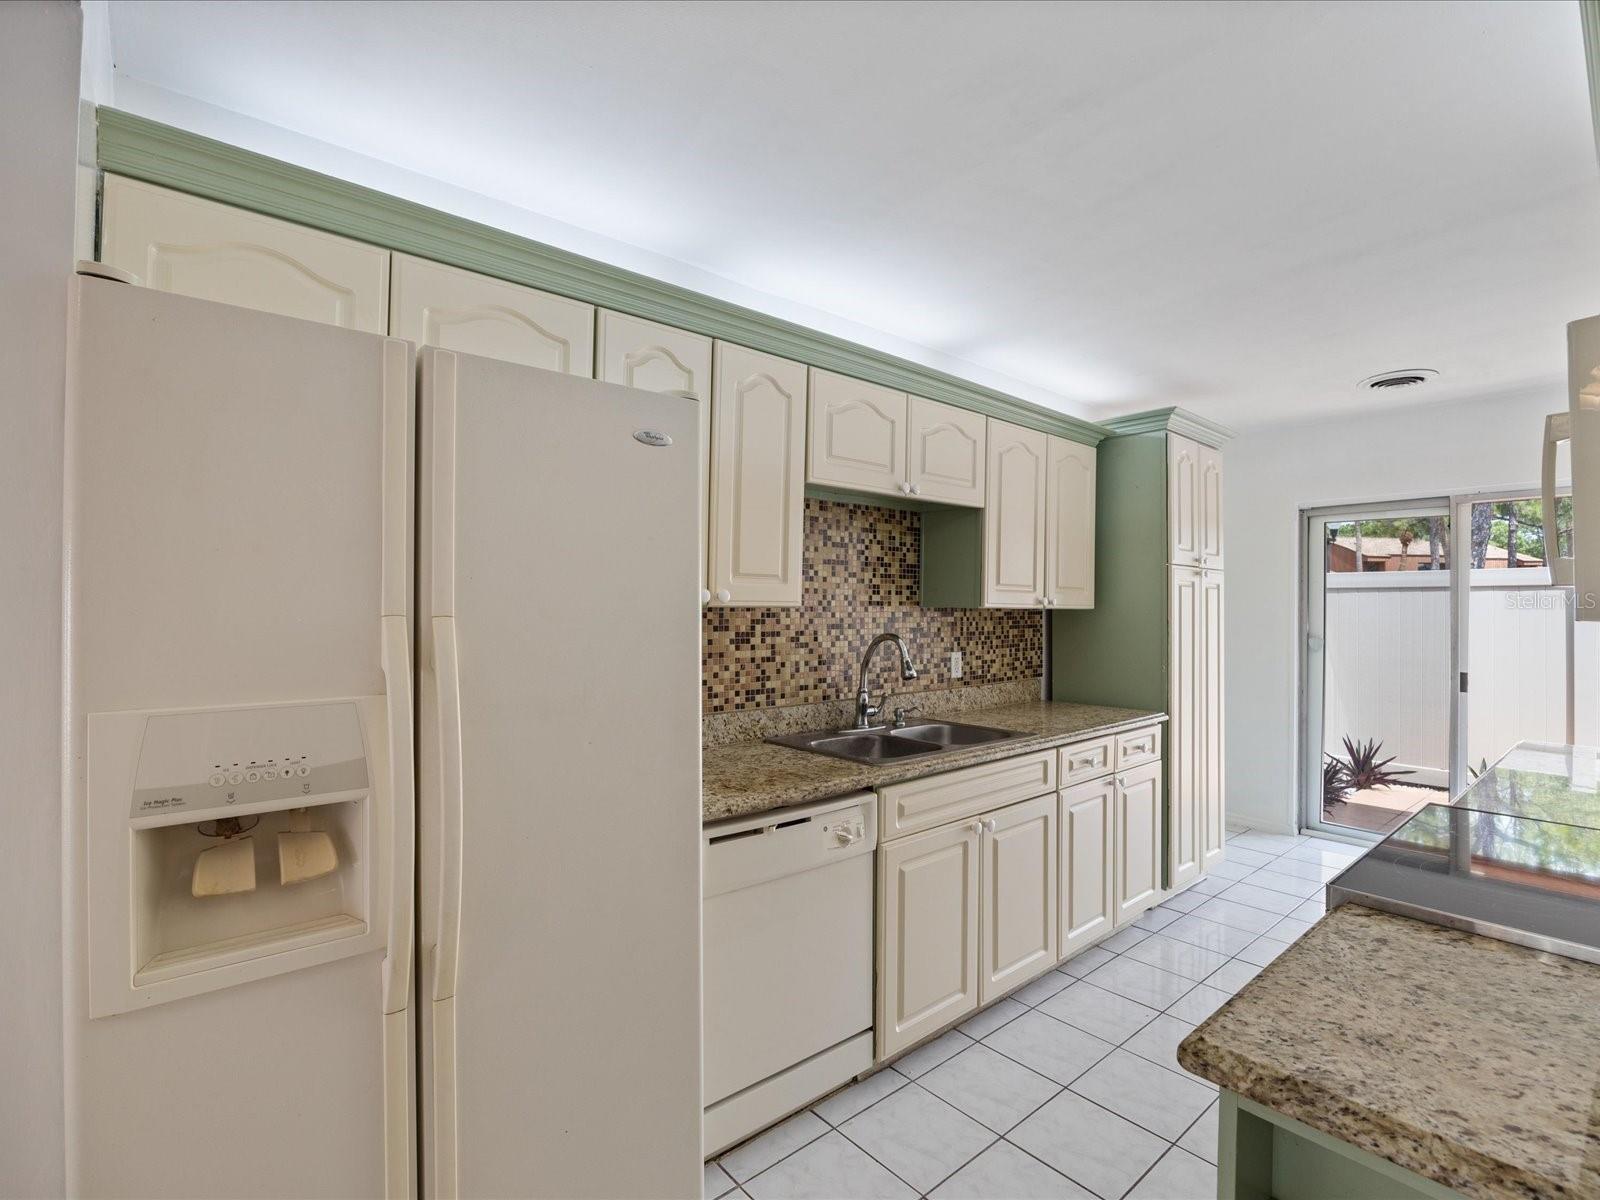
239,543
559,785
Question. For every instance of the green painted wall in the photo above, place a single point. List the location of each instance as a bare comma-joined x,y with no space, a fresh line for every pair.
1116,652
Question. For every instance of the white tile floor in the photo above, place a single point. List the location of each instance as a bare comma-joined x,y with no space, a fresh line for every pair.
1069,1088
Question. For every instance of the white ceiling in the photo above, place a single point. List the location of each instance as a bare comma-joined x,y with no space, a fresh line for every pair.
1241,208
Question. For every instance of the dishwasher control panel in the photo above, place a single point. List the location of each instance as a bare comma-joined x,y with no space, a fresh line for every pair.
745,851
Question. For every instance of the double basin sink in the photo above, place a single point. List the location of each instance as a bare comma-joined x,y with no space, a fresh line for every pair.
889,744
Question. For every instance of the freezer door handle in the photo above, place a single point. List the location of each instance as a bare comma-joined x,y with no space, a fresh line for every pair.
396,653
447,679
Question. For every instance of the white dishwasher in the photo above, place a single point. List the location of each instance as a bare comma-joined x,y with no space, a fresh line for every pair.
788,923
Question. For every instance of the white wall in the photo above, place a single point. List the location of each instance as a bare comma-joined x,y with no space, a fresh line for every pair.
39,42
1432,450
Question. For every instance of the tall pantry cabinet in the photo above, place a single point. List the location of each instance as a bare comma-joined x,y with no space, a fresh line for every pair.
1155,636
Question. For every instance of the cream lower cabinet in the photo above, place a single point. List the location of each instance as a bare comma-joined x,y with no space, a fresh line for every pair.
178,243
434,305
1019,907
966,913
1137,847
758,450
927,933
1088,824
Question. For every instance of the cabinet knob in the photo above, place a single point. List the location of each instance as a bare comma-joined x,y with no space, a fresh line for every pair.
705,597
977,827
905,488
988,823
916,489
724,595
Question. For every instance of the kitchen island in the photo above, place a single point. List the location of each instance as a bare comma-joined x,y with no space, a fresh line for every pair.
1383,1056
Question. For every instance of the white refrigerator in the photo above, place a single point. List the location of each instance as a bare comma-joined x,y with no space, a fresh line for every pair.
245,846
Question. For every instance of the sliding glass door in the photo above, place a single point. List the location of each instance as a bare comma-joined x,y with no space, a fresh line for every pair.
1433,643
1378,720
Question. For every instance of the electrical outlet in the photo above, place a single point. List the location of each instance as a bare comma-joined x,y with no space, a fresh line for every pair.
955,664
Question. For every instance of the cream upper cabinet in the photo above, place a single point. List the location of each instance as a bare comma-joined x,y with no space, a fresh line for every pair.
1208,722
945,453
178,243
1138,841
655,358
1183,676
857,436
1087,821
1183,501
1210,488
1014,517
758,442
658,358
1069,525
927,933
1020,903
435,305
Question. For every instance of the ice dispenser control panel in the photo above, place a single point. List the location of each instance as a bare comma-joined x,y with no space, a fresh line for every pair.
204,761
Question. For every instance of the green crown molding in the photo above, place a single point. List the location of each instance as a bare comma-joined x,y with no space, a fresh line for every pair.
1589,12
187,162
1172,420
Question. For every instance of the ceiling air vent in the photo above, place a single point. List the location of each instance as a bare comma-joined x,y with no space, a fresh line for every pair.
1398,379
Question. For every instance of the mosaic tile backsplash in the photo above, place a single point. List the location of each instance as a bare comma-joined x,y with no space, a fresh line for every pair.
860,578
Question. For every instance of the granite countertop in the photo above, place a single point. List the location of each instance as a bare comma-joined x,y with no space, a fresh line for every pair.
753,776
1469,1061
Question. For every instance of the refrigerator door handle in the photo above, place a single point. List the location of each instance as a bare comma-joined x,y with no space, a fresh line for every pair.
448,681
396,655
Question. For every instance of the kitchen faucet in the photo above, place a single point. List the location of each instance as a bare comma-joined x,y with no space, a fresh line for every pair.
866,710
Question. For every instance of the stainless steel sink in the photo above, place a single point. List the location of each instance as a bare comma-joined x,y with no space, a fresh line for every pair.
947,733
886,744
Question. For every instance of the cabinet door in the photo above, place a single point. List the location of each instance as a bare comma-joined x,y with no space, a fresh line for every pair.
1210,488
1213,814
758,440
178,243
1069,525
857,436
927,933
1183,500
1185,728
946,453
1087,897
658,358
1138,841
434,305
1020,902
1013,517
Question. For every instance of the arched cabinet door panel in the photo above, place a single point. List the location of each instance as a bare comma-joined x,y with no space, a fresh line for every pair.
1069,525
1183,501
192,247
758,439
857,435
1014,517
435,305
946,453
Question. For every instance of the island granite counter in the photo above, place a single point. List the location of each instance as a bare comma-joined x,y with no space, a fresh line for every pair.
1383,1057
752,776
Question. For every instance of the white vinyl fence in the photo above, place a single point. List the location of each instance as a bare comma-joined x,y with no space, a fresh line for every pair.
1387,665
